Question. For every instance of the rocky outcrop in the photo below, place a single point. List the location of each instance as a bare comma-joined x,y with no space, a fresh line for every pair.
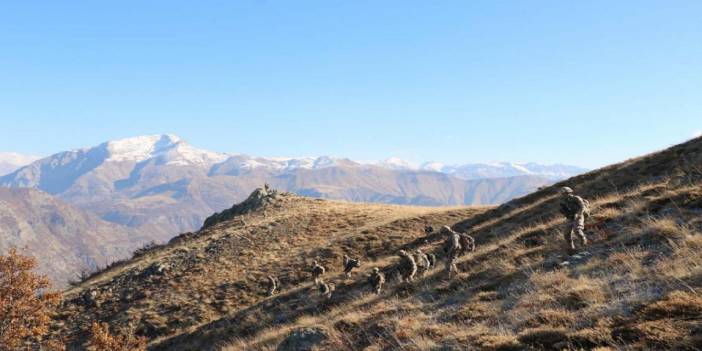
305,339
258,200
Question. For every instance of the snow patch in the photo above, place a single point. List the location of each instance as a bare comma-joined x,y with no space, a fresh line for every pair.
17,159
167,148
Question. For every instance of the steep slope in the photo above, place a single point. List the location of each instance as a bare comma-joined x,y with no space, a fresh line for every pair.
161,186
199,277
65,240
636,287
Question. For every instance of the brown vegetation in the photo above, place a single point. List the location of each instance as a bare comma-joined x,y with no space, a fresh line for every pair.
102,340
25,302
636,287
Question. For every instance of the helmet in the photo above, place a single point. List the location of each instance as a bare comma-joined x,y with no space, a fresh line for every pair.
566,190
376,269
445,229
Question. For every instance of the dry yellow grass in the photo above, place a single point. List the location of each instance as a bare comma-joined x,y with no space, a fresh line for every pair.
637,287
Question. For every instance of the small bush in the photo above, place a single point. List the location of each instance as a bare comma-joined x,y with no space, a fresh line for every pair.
543,337
144,249
499,343
678,304
600,334
552,318
661,333
25,303
102,340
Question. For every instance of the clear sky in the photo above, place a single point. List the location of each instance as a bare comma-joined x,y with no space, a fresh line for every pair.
578,82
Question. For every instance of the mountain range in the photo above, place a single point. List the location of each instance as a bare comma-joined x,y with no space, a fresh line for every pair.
162,185
11,161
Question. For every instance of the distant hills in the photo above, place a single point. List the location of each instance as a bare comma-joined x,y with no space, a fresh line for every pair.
65,239
162,185
11,161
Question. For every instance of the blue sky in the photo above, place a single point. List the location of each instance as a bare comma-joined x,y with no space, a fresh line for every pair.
585,83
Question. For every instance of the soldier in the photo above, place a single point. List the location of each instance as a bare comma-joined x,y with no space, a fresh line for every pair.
272,285
423,263
432,260
452,248
317,271
407,267
350,264
428,229
467,243
376,280
575,209
326,289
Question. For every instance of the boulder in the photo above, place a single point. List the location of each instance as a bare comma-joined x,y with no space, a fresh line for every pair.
258,200
156,268
304,339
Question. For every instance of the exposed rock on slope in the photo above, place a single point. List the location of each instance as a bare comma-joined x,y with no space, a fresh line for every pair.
258,200
637,287
64,239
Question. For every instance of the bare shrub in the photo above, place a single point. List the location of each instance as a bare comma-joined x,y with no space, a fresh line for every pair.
102,340
25,302
545,337
678,304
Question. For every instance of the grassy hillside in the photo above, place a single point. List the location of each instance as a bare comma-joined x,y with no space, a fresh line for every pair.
636,287
222,269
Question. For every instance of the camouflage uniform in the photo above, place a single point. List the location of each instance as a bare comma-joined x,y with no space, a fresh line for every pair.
452,248
408,267
573,207
350,264
423,263
317,271
326,289
376,280
467,243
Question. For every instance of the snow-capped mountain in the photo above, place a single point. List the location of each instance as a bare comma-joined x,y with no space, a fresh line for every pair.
11,161
395,163
504,169
162,185
280,164
167,149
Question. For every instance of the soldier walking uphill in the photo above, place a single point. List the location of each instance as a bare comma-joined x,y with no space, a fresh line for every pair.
423,262
317,271
350,264
376,280
575,209
452,248
407,266
326,289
